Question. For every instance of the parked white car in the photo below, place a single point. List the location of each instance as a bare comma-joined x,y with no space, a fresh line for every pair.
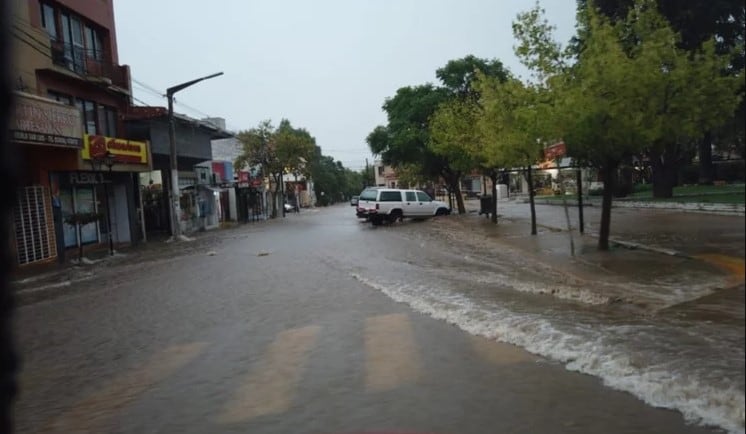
379,205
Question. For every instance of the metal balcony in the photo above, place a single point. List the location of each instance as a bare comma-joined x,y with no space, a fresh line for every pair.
90,64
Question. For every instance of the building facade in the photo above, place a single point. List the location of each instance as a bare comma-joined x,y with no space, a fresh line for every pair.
198,200
72,94
385,175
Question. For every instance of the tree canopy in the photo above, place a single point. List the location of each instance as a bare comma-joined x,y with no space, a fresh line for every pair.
278,151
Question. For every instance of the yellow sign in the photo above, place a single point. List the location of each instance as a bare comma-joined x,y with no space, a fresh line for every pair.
124,151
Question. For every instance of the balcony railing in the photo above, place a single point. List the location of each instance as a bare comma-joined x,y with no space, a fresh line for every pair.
90,63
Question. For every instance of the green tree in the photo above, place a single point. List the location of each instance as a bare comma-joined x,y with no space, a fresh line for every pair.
332,181
454,136
683,94
599,109
460,75
512,124
620,98
279,151
697,22
405,139
457,140
591,108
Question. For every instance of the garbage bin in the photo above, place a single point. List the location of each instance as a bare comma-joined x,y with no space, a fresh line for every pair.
485,205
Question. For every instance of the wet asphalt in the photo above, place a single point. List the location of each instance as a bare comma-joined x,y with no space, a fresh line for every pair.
266,328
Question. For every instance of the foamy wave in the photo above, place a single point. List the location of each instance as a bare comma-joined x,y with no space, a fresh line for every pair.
564,292
588,352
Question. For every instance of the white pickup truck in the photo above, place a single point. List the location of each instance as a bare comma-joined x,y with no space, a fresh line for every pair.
379,205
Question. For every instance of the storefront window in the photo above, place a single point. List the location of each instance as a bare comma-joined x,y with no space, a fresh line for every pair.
81,200
101,200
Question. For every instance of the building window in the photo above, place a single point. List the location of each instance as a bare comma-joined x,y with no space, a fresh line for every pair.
98,119
107,121
380,170
94,46
72,37
80,40
48,21
79,200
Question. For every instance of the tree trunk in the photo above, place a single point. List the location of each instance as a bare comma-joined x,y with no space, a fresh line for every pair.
579,192
459,199
531,200
609,177
664,177
453,181
274,194
706,168
493,178
624,182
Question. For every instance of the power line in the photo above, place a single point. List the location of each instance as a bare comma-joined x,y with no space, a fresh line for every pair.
30,44
140,101
42,49
147,90
33,37
146,87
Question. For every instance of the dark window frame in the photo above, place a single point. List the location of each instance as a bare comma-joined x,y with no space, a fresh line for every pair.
102,117
87,44
423,197
390,196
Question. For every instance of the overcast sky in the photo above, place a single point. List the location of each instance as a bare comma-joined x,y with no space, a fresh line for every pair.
326,65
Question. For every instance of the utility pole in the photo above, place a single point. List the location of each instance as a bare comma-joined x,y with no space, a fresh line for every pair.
365,178
175,194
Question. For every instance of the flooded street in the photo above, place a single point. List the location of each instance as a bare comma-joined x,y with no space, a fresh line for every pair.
321,323
673,337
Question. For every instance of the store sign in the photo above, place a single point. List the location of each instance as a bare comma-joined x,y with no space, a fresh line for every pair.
82,178
40,121
555,151
124,151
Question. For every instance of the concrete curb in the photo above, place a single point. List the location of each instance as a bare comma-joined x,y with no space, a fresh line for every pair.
47,291
706,208
637,246
627,244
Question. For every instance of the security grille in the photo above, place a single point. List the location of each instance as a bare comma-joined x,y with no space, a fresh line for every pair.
33,226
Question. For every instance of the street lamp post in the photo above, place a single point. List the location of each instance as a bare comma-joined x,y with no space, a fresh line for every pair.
175,207
107,160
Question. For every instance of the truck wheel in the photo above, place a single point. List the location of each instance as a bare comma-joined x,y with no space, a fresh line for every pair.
395,215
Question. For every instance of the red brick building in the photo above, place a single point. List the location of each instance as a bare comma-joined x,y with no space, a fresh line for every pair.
71,93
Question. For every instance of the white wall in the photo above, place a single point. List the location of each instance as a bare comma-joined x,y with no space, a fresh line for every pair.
120,221
232,204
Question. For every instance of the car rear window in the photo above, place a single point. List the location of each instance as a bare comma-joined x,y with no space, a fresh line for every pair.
390,196
368,195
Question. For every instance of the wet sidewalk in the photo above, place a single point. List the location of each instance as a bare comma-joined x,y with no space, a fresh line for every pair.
56,279
666,258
